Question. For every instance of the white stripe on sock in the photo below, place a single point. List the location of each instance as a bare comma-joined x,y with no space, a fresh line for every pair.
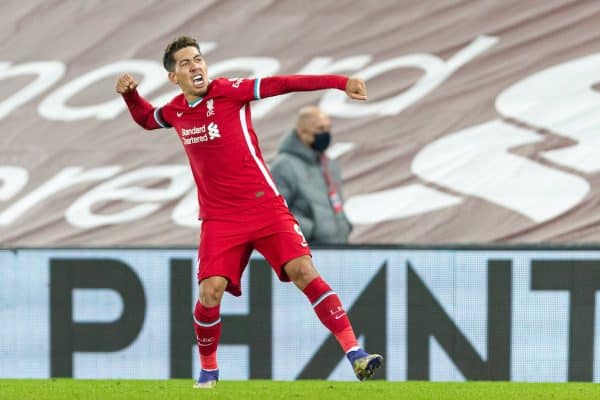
320,299
206,325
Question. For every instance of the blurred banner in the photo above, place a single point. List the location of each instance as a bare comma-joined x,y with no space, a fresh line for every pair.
443,315
481,124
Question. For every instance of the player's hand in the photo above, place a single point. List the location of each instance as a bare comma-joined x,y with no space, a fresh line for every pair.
125,84
356,89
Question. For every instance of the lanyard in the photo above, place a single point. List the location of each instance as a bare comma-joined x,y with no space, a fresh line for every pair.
334,197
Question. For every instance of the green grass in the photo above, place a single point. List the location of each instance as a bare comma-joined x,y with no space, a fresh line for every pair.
44,389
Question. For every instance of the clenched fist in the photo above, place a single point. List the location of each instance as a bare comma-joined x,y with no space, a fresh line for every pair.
125,84
356,89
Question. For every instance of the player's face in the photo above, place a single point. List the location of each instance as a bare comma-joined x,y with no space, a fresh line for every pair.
190,72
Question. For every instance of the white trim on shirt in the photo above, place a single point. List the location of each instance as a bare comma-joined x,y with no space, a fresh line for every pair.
261,166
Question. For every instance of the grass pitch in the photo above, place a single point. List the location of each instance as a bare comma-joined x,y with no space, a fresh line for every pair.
46,389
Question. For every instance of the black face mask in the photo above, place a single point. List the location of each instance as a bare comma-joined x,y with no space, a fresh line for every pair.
321,142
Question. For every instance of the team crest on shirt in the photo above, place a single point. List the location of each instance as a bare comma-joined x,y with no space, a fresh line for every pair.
210,107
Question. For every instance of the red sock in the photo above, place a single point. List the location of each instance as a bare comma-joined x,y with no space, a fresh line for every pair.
207,324
329,309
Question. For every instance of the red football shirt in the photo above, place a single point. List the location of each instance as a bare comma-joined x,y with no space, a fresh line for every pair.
218,137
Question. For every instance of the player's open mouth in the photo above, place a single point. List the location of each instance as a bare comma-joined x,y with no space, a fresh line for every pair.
198,81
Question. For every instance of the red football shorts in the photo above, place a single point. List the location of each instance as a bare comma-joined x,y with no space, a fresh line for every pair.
227,242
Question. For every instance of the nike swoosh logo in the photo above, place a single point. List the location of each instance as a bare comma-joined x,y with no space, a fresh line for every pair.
179,114
340,316
207,344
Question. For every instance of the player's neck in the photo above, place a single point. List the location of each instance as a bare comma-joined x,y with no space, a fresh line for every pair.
191,98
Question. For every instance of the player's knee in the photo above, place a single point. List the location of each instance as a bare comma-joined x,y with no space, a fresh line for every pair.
211,297
301,271
211,292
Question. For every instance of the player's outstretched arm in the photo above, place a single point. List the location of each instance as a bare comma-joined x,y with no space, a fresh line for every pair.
140,109
355,88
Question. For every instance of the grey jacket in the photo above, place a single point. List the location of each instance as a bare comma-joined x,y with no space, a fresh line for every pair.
299,178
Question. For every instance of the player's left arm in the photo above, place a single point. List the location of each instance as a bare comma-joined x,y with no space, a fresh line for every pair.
354,87
259,88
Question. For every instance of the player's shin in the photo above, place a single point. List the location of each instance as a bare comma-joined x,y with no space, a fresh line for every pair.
329,309
207,325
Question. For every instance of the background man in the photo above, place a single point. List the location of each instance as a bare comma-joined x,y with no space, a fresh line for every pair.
310,181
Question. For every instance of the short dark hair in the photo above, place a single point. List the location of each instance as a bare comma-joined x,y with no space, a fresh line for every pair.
179,43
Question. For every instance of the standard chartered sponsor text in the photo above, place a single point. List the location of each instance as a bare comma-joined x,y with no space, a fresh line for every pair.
195,134
196,139
193,131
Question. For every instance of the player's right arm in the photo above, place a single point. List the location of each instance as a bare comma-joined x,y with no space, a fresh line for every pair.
145,114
